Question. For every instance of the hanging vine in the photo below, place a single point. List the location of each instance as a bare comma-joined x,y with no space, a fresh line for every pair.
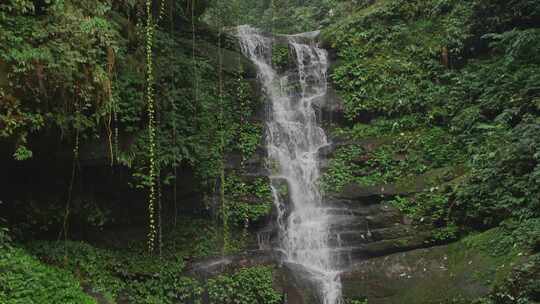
174,135
65,226
112,120
224,207
150,99
194,62
239,96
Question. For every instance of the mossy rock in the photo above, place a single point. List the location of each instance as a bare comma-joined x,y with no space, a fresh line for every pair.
404,186
462,271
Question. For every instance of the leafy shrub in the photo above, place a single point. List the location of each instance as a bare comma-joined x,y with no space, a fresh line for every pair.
247,201
503,182
139,277
280,56
24,280
448,82
342,168
430,207
91,266
42,67
517,45
166,288
247,286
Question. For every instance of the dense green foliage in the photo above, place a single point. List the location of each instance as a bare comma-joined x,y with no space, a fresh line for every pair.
112,274
87,79
129,273
447,89
247,201
443,101
24,279
44,77
250,285
280,16
77,73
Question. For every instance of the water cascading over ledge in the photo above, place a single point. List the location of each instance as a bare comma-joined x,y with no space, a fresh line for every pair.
294,138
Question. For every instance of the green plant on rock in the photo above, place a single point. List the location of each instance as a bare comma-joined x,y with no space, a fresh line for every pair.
280,56
248,201
249,139
131,273
431,208
342,169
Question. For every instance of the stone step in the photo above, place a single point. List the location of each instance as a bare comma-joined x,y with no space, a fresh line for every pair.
360,210
382,220
354,238
381,248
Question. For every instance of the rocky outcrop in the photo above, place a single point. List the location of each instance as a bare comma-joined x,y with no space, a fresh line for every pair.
330,109
441,274
363,230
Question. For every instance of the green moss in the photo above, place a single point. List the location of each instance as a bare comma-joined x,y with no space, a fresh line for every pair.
473,269
494,252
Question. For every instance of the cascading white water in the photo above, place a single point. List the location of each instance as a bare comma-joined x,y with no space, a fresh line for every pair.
293,140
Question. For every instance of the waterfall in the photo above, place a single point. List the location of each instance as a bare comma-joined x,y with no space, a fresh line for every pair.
293,139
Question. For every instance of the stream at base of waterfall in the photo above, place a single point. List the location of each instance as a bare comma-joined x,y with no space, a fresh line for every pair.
293,138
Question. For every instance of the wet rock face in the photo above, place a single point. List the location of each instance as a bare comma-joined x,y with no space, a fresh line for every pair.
330,110
363,230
